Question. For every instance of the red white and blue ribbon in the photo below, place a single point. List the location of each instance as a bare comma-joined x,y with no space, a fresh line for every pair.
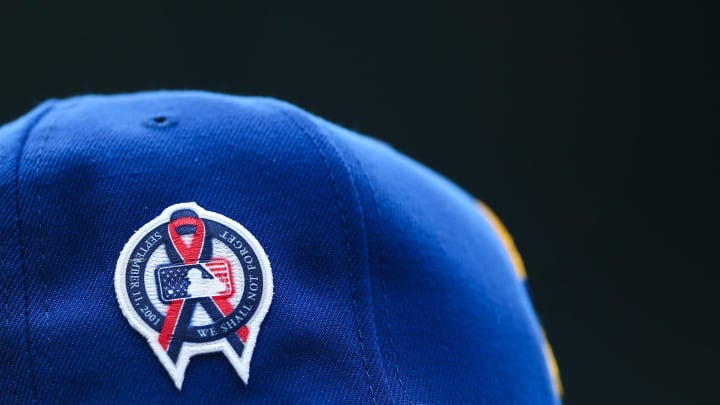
180,311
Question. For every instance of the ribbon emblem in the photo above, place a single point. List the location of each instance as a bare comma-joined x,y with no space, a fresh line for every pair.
214,300
181,310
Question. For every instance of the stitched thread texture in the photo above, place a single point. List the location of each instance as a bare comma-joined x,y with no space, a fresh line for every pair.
43,270
23,254
383,288
347,253
6,293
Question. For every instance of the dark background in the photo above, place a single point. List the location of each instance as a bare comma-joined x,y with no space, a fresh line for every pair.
588,126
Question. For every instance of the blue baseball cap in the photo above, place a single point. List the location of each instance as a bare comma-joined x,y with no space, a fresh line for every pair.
193,247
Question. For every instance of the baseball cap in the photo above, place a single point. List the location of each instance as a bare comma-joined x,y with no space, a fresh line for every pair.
185,246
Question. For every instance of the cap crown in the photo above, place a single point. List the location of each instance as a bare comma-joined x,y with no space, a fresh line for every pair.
389,284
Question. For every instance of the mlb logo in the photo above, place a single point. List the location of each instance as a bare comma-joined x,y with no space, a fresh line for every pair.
200,280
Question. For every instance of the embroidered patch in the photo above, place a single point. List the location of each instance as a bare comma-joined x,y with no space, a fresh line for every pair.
193,281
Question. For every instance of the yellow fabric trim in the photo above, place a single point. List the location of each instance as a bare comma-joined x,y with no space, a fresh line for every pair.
553,366
519,267
507,241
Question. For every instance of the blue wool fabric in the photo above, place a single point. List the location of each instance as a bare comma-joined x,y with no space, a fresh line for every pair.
390,284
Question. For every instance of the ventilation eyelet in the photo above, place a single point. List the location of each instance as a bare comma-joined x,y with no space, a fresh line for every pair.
160,121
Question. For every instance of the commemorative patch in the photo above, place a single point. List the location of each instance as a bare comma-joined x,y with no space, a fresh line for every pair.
193,281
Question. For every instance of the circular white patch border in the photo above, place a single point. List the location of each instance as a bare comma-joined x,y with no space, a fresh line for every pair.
241,364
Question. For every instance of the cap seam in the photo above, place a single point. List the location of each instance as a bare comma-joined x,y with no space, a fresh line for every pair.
23,265
344,219
42,267
383,287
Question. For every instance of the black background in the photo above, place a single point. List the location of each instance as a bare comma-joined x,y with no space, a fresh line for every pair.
588,126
